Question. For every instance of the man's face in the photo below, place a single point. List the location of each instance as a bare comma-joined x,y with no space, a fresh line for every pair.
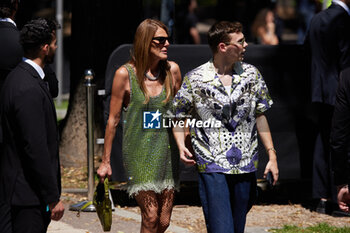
347,2
52,50
236,47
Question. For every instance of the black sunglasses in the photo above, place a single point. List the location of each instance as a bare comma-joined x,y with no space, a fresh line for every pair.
161,39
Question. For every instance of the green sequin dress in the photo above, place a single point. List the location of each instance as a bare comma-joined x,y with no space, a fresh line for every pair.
150,156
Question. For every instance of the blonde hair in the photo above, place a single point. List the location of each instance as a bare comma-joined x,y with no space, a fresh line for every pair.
141,60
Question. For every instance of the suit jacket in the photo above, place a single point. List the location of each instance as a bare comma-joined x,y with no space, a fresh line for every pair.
29,165
11,54
51,79
340,134
10,49
329,41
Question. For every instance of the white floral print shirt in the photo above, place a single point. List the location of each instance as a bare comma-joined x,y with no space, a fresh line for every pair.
231,148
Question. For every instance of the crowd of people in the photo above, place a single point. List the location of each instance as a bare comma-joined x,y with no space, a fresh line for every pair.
220,105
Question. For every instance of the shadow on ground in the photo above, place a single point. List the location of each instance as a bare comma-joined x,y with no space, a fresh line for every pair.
285,193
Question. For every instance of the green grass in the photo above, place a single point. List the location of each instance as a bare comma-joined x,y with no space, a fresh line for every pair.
63,105
320,228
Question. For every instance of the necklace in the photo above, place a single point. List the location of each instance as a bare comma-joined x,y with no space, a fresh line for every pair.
152,78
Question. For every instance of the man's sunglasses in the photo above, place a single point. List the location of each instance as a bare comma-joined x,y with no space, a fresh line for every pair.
161,39
241,42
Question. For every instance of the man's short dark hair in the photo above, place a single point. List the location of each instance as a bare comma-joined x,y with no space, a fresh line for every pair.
36,33
219,33
7,7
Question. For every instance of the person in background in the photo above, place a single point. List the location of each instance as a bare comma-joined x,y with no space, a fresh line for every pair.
10,49
264,28
340,141
187,32
306,10
10,55
167,14
143,90
30,180
234,96
328,41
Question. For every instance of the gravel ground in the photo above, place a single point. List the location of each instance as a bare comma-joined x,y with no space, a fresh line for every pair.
287,204
191,217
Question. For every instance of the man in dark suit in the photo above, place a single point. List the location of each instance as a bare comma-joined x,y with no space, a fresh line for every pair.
10,49
329,42
340,141
10,55
11,52
30,179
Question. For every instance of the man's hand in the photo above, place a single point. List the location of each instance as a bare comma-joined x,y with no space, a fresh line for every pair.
57,210
343,197
186,157
104,170
271,166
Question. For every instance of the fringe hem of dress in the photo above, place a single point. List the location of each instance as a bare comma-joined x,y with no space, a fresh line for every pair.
157,187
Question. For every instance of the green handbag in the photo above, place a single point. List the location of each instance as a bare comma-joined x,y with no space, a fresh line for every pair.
103,205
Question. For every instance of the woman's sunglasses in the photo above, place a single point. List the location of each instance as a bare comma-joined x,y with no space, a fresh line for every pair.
161,39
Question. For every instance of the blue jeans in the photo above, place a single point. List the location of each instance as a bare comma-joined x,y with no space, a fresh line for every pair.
226,200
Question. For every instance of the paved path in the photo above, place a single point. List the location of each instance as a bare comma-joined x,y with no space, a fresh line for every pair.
61,227
124,221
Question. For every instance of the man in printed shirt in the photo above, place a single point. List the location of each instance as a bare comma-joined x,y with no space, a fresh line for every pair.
233,93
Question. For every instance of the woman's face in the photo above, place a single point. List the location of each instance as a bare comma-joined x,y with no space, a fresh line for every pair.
159,45
270,18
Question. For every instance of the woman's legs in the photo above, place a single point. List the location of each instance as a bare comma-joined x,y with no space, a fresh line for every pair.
155,210
147,200
165,203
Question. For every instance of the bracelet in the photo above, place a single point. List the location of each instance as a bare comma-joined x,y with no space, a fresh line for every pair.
271,148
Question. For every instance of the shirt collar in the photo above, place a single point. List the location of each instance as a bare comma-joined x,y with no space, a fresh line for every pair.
342,4
8,20
210,70
35,66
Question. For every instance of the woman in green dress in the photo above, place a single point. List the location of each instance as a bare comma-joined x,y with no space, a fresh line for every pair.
143,90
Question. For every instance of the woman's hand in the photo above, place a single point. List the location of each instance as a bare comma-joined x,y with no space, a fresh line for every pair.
271,27
186,157
104,170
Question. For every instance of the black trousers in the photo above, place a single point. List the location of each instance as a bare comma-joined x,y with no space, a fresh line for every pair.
5,218
29,219
322,179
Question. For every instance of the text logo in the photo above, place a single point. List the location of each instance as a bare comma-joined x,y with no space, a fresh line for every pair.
151,120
